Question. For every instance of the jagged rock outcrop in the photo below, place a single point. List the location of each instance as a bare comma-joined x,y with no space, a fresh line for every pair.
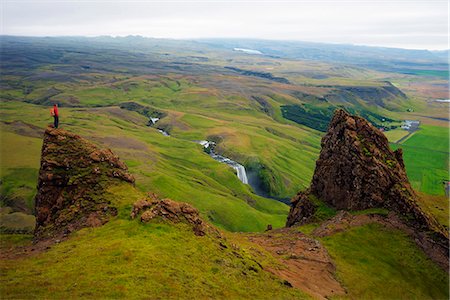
152,207
72,185
357,170
302,210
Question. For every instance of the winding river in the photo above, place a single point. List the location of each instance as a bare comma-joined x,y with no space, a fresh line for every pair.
240,169
251,178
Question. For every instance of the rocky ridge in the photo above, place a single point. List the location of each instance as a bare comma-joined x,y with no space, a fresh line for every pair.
72,187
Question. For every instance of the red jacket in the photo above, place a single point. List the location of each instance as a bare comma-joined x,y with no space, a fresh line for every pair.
54,111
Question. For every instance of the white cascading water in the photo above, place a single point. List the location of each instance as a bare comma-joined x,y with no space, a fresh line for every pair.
242,175
240,169
154,120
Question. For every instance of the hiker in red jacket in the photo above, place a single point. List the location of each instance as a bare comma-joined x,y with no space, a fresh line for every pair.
55,114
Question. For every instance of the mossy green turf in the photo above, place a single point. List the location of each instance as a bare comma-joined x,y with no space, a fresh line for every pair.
374,262
129,260
132,260
426,157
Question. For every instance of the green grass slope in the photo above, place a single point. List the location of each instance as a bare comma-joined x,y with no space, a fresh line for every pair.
374,262
19,166
128,259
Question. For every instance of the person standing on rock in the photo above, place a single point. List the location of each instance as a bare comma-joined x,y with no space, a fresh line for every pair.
55,114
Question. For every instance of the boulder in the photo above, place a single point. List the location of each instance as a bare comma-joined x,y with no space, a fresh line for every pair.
151,208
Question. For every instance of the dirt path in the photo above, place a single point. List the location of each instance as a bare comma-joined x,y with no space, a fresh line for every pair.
307,263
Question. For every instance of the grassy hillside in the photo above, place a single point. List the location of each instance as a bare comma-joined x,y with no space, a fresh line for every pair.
204,91
200,99
159,163
128,259
20,157
374,261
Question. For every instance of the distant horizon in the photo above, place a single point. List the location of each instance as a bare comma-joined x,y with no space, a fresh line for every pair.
223,38
402,24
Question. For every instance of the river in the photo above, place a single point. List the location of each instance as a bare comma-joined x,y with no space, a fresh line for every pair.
251,178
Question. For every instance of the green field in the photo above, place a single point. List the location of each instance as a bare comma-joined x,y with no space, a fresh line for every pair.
392,266
426,158
395,134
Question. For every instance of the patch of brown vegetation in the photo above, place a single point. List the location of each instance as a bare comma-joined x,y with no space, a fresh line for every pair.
173,120
122,114
24,129
30,249
123,142
308,265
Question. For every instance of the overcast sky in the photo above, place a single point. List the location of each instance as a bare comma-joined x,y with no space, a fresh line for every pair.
401,23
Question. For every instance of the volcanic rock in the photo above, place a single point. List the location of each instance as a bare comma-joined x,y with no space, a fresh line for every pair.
357,170
72,185
302,210
152,207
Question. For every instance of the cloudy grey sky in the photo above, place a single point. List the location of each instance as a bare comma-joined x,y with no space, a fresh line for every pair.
400,23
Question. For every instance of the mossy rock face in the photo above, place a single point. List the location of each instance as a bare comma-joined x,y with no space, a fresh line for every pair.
72,185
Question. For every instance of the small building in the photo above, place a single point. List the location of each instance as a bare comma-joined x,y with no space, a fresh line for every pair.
410,124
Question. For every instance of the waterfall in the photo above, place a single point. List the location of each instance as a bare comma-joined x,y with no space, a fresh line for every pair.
251,179
242,175
163,132
240,169
154,120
